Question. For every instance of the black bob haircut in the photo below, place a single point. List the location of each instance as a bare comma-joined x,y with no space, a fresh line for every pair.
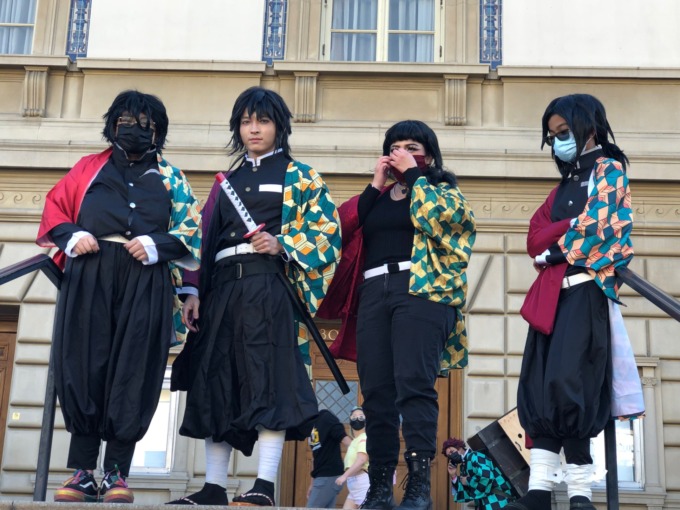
586,117
422,133
136,103
263,103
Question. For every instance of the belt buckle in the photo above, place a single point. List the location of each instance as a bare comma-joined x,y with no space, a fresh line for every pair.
239,270
392,267
568,282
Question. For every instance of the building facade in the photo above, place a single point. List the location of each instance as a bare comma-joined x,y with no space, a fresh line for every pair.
480,72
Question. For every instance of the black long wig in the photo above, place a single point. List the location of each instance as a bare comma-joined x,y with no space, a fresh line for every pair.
135,103
422,133
263,103
585,115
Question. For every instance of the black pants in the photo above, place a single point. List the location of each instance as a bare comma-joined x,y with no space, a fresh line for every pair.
576,451
83,452
400,339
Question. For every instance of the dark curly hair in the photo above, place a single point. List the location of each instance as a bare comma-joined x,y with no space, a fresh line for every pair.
136,103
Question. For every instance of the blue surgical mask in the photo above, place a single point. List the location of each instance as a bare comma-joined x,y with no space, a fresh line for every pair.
565,150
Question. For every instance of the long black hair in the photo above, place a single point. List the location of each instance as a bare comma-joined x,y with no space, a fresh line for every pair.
136,103
263,103
585,115
422,133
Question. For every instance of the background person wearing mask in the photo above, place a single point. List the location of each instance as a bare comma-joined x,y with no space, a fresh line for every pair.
474,477
327,436
356,462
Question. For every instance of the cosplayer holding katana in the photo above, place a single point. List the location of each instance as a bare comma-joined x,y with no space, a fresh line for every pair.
248,379
125,222
567,389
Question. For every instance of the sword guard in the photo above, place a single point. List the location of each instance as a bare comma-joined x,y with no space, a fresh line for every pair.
253,232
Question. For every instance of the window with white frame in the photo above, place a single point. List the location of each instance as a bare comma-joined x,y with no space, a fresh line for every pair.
154,453
382,30
17,20
629,454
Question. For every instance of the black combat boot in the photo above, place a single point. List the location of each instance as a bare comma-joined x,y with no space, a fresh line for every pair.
417,493
379,495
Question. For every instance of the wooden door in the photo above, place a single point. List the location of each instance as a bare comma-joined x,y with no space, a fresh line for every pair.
8,333
297,457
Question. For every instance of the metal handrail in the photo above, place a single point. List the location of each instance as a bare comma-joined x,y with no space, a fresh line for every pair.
45,264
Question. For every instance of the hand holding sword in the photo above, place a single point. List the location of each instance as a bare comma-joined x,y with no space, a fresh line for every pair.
264,242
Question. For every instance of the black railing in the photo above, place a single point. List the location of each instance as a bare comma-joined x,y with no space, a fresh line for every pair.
45,264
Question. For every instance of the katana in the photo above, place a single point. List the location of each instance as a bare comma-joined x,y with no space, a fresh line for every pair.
253,228
238,205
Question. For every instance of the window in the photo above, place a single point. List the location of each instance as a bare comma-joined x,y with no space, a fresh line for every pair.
154,453
628,454
382,30
17,18
330,397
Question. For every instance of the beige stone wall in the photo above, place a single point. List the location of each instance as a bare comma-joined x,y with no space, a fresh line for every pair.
488,125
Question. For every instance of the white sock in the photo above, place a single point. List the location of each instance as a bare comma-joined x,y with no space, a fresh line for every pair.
543,473
217,457
271,449
579,479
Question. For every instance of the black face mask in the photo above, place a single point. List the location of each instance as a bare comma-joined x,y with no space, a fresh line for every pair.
357,424
134,139
455,458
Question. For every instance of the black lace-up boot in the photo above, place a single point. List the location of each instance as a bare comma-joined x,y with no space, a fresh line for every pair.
379,495
417,493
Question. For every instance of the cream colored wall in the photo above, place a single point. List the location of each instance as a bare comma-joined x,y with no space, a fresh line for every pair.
177,30
582,33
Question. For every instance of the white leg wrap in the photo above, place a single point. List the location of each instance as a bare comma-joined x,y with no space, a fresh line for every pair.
217,457
544,466
579,480
271,449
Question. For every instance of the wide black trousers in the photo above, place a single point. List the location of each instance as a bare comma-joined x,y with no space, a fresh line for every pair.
112,335
400,339
566,378
246,366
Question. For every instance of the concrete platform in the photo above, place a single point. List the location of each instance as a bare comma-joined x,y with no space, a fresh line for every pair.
29,505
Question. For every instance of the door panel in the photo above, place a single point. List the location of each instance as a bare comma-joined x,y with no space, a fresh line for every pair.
7,342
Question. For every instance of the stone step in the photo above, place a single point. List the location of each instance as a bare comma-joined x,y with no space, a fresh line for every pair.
31,505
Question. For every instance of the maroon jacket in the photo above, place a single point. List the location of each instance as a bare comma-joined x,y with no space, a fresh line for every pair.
540,304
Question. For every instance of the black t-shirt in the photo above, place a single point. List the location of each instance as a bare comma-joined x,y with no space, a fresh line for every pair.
324,441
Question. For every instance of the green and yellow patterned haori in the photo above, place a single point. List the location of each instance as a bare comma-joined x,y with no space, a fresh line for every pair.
442,246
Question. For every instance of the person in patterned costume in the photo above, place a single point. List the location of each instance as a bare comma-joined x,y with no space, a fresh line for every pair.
475,477
577,239
410,243
248,376
126,224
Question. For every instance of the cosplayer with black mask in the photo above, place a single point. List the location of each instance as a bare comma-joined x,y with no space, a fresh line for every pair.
124,234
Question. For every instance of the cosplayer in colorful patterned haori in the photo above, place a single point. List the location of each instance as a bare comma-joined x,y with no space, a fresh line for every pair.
578,237
409,243
475,477
248,379
126,223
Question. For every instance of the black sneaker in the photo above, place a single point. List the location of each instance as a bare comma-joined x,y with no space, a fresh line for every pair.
80,488
115,489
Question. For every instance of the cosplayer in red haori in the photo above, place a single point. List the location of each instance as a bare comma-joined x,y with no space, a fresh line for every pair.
577,238
126,223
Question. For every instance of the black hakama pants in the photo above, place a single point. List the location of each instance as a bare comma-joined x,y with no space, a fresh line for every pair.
112,335
246,368
566,378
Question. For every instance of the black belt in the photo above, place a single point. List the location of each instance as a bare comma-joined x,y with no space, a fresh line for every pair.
237,270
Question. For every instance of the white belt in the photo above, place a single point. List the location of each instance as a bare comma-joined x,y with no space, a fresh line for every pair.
570,281
114,238
239,249
393,267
